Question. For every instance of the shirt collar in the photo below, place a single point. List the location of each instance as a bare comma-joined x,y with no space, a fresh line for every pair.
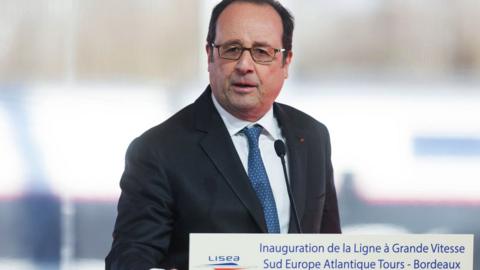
235,125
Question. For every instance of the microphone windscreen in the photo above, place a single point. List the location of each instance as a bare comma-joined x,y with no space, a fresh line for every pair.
279,148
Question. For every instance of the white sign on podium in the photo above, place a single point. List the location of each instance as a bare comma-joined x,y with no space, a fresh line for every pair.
330,251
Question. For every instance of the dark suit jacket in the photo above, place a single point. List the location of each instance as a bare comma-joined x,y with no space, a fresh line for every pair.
185,176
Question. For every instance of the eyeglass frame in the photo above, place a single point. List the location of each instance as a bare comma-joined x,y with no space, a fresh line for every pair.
276,50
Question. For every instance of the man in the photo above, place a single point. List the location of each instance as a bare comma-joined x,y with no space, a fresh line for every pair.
212,167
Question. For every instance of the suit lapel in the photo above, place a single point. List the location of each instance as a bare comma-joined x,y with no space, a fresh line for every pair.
297,159
219,147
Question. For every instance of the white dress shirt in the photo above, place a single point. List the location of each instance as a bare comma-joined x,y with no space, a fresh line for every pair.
270,133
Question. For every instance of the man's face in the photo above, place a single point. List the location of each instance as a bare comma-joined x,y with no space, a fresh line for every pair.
243,87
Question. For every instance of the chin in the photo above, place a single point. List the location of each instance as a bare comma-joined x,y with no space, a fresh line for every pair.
244,103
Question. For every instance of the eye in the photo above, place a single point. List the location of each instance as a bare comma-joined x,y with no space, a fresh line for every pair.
232,49
262,51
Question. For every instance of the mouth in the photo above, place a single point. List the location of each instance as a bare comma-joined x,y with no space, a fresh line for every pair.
244,87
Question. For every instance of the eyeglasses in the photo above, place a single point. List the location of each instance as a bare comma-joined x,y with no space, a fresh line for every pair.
260,54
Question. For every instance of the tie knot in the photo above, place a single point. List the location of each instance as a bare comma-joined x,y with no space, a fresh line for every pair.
253,133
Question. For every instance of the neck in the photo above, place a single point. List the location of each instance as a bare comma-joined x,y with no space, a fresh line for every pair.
250,116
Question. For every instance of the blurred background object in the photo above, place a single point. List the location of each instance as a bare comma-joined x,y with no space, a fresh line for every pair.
397,83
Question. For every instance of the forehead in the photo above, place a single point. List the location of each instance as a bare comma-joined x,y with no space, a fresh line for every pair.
249,23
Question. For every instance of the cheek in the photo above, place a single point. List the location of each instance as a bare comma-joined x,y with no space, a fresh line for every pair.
221,73
216,76
273,81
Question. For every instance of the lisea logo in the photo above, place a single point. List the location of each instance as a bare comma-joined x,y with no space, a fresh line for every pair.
224,262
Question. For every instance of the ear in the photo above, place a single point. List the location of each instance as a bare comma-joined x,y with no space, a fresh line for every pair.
209,51
286,64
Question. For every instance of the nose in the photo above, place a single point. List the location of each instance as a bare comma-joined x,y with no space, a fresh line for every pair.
245,64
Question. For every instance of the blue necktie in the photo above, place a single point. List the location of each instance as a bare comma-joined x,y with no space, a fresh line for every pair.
259,179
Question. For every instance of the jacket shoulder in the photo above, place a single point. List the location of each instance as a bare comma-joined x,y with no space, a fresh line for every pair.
298,118
170,130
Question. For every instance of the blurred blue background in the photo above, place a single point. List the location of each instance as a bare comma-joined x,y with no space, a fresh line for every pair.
397,83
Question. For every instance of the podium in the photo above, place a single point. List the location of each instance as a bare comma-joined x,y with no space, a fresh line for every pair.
331,251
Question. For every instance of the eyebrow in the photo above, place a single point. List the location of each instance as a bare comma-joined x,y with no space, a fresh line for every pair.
261,44
239,42
231,42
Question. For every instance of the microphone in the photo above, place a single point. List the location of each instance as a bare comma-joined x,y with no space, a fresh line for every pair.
280,150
